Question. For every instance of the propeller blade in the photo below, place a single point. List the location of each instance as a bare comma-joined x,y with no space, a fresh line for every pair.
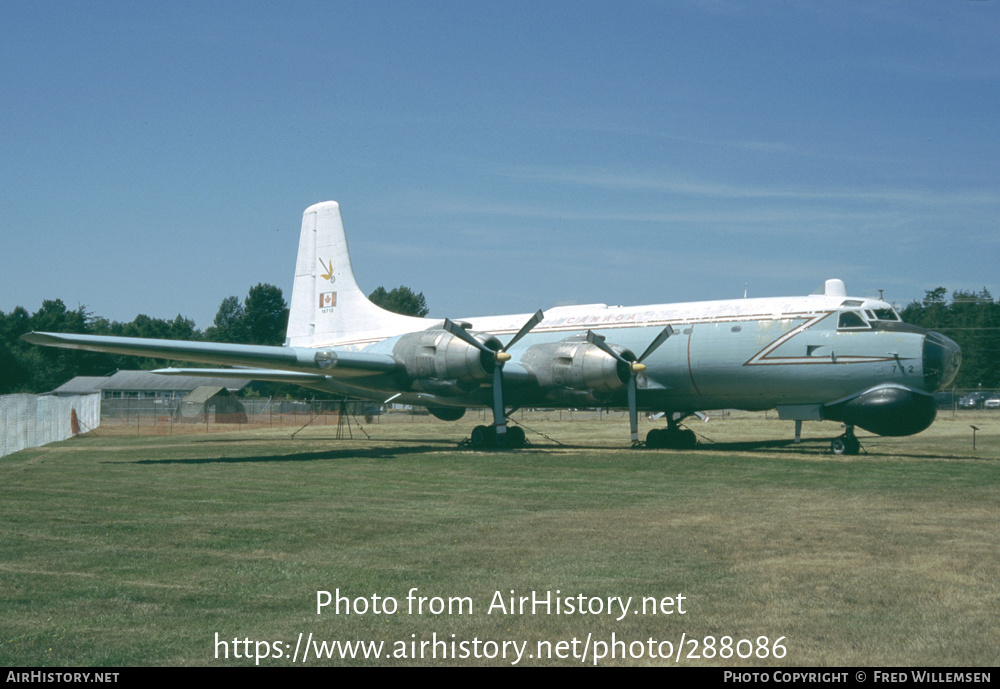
499,411
595,339
633,412
655,344
526,328
464,335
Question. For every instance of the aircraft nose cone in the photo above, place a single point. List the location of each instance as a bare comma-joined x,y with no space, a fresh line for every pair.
942,358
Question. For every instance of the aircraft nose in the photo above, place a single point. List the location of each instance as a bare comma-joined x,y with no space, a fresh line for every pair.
942,358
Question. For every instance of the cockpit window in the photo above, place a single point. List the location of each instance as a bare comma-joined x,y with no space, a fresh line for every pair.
851,319
886,315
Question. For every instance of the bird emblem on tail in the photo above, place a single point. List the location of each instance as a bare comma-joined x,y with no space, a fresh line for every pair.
328,275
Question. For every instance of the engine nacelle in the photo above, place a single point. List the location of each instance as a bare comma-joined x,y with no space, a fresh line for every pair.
447,413
441,363
576,364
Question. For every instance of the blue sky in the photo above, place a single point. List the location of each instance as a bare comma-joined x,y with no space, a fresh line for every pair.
499,157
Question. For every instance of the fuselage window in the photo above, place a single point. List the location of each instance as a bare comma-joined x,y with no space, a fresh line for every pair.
851,319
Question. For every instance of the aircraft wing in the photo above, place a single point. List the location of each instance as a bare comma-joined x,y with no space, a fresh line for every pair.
299,360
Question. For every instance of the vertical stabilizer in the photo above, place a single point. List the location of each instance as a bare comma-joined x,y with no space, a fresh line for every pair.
327,304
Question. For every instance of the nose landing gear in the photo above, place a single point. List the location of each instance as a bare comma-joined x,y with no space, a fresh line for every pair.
846,444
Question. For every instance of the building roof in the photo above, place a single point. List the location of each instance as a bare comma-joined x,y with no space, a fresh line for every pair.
204,393
147,380
81,385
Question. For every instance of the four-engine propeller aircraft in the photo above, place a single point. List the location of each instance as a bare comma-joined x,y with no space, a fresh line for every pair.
824,356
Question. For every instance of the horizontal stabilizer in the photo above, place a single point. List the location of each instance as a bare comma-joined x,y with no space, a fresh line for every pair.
268,374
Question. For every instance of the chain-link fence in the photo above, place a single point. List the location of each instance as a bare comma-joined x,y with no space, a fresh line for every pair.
165,417
168,417
968,399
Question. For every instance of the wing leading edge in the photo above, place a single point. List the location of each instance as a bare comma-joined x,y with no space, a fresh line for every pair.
266,361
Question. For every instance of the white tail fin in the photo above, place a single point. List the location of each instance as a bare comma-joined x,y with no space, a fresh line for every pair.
327,304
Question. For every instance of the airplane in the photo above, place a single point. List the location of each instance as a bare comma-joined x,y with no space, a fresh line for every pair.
826,356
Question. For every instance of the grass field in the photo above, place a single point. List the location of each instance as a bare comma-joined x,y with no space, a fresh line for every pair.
133,550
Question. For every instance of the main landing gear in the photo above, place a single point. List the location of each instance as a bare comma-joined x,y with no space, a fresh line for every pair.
846,444
672,437
485,437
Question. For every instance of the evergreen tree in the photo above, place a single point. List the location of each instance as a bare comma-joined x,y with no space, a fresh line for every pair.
265,315
262,318
228,325
400,300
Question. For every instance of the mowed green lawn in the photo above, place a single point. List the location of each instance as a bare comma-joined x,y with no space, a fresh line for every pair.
140,550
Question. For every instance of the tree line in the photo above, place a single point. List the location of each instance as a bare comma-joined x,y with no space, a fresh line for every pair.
260,318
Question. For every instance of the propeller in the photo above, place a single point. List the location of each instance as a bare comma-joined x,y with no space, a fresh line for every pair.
635,368
500,357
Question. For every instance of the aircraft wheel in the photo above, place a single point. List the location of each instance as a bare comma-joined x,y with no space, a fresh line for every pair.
480,436
673,439
655,438
515,436
845,445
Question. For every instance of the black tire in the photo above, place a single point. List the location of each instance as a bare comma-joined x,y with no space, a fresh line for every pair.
480,436
515,437
845,445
